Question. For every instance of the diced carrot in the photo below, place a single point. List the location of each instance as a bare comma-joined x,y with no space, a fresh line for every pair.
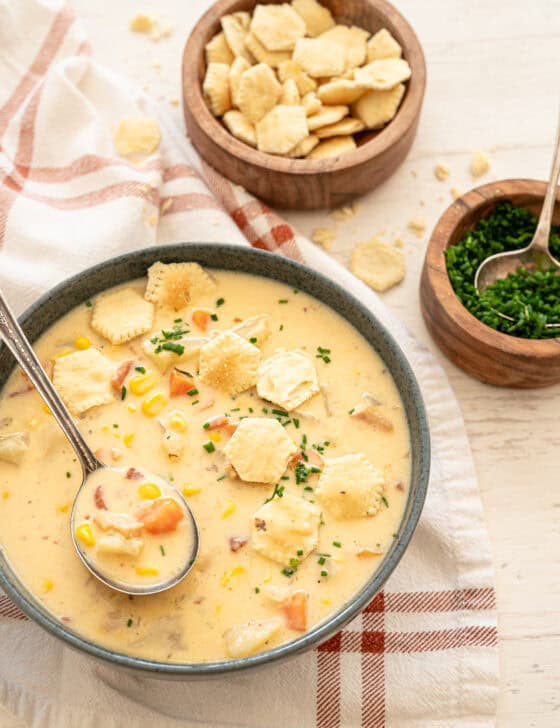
102,454
295,609
99,499
367,553
201,318
231,427
133,474
161,516
121,375
180,383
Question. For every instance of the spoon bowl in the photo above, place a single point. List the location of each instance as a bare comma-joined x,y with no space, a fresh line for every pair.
18,344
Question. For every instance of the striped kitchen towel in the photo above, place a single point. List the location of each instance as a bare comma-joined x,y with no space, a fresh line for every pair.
424,652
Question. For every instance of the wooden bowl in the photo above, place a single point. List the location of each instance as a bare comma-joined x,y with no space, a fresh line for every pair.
488,355
299,183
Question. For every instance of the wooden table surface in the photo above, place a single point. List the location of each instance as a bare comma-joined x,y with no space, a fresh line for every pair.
492,85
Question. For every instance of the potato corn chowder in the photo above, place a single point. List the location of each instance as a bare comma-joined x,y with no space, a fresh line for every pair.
268,411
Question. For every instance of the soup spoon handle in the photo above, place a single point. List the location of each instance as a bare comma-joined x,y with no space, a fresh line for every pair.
542,234
18,344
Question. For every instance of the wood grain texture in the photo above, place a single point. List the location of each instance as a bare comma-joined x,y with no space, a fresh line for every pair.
488,355
300,183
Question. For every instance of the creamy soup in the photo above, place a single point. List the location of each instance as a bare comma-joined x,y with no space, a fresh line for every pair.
267,410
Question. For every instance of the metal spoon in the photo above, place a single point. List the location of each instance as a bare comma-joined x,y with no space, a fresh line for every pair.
536,256
18,344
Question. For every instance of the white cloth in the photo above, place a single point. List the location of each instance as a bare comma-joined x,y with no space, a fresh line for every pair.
425,654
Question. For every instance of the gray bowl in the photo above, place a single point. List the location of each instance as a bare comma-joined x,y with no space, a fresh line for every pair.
85,285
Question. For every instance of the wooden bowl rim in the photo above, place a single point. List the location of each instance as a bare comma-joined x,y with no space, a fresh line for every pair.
436,269
405,118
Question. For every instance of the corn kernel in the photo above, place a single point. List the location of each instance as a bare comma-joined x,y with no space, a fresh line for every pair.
146,571
6,494
85,534
127,439
82,342
149,491
132,408
177,421
47,409
227,576
105,428
214,436
32,423
64,508
218,609
326,602
191,491
153,405
48,585
229,510
142,383
267,578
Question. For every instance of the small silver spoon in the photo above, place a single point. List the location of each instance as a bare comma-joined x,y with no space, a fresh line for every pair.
536,256
18,344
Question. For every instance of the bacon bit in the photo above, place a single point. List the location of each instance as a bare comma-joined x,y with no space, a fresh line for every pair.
260,524
99,499
180,383
295,609
206,405
122,373
367,553
201,319
66,619
102,454
236,543
237,320
133,474
399,486
198,600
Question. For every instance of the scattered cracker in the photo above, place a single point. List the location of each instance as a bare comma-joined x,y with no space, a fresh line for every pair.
340,91
218,51
333,147
281,129
290,94
377,108
278,27
353,42
319,57
142,23
83,379
342,214
216,88
383,45
379,265
479,164
122,315
311,104
177,284
257,327
137,135
229,363
417,225
324,237
441,171
318,19
237,69
259,92
259,450
235,27
383,75
455,193
284,527
288,378
350,487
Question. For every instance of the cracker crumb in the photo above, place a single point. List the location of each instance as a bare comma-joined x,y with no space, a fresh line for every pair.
398,243
441,171
151,220
414,173
417,225
167,30
324,237
455,193
174,101
156,65
479,164
345,213
142,23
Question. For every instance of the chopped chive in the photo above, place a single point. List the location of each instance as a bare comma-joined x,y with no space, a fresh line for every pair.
300,552
177,321
209,446
129,622
192,392
281,327
214,316
68,474
324,573
282,300
294,563
142,370
351,411
322,560
89,304
162,549
265,410
385,501
253,339
251,410
285,477
206,425
235,409
287,571
257,590
337,544
115,426
222,477
308,488
296,422
195,402
280,413
123,393
277,492
220,302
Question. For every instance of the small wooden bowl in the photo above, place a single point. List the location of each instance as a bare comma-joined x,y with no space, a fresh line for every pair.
488,355
299,183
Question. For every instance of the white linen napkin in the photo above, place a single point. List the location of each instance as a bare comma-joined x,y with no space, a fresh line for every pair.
424,653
